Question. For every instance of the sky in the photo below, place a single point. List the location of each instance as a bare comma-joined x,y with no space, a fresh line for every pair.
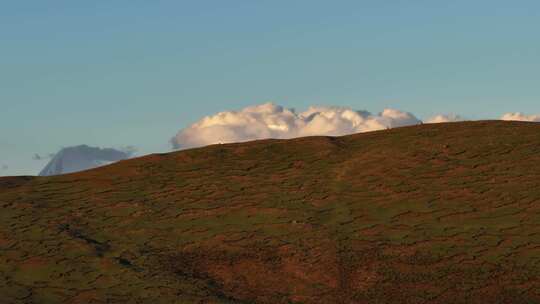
134,73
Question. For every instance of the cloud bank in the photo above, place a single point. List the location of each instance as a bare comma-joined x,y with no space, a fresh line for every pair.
521,117
444,118
83,157
273,121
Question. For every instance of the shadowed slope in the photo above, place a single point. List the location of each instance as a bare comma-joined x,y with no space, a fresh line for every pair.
442,213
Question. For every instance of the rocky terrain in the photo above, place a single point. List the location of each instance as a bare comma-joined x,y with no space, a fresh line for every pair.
437,213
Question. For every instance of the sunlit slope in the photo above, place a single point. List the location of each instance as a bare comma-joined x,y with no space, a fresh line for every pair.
442,213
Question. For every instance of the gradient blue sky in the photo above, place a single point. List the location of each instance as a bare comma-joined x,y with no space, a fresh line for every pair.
117,73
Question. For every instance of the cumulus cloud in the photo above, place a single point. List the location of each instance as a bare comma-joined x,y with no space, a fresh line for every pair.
444,118
273,121
521,117
83,157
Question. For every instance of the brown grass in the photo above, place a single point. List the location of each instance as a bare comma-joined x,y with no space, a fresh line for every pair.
442,213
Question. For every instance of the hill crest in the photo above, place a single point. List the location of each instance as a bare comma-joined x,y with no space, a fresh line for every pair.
437,213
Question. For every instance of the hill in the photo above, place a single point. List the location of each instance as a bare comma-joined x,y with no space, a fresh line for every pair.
437,213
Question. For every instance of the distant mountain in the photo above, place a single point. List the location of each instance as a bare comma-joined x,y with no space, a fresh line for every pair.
431,214
80,158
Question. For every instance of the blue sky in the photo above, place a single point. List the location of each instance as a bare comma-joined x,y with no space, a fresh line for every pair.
118,73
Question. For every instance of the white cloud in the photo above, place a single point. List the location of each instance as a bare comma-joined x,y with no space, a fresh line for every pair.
272,121
520,117
444,118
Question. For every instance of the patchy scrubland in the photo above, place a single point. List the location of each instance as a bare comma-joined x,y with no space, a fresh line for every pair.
438,213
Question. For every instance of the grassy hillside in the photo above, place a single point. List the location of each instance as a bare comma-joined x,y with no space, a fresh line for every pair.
442,213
